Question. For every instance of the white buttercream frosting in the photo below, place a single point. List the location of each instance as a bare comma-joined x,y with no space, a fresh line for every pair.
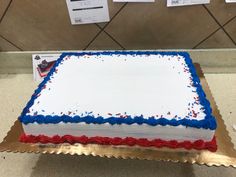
179,133
106,86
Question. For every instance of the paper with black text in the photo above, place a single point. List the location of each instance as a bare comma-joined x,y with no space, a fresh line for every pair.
133,0
230,1
88,11
171,3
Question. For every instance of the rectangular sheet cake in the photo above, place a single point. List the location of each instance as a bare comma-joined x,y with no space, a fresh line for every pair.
144,98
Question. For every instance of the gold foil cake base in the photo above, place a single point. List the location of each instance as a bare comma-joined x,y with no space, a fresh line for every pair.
225,155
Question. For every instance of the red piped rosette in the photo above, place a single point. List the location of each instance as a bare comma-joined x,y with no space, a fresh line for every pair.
198,145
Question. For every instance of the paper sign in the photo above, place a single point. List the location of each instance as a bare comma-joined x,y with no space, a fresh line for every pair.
171,3
133,0
42,63
230,1
88,11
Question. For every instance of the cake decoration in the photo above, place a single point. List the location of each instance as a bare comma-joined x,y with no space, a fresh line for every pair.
118,67
158,143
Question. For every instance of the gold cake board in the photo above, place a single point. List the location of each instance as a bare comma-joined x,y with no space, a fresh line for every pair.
225,154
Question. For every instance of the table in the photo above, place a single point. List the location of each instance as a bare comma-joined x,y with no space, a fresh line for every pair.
15,90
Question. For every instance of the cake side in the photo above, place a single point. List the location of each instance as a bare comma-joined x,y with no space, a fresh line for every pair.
178,133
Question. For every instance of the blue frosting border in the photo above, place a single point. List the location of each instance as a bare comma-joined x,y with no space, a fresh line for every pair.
208,123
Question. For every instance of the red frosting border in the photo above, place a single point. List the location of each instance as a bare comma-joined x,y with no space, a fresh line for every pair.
198,145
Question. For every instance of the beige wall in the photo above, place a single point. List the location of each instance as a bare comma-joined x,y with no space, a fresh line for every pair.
45,25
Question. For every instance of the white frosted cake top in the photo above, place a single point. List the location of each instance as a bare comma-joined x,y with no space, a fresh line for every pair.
120,86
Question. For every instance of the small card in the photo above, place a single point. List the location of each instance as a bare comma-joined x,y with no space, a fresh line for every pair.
171,3
230,1
133,0
88,11
42,63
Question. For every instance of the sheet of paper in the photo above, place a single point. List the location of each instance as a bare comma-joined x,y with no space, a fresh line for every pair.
88,11
42,63
230,1
171,3
133,0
